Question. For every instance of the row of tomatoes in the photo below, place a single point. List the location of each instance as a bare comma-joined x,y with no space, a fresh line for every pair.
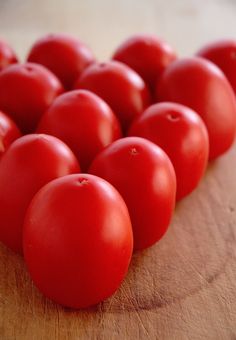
77,232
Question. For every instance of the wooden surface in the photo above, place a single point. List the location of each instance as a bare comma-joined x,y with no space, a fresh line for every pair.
185,286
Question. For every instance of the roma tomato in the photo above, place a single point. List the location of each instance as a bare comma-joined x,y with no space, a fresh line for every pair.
77,240
223,54
26,91
121,87
147,55
83,121
7,55
181,133
65,55
29,163
144,176
199,84
8,132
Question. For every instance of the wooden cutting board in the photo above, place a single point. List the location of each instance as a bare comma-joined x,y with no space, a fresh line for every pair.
185,286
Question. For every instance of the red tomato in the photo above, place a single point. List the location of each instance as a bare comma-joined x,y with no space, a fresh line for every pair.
77,240
223,54
7,55
144,176
121,87
202,86
147,55
26,91
8,132
29,163
83,121
181,133
64,55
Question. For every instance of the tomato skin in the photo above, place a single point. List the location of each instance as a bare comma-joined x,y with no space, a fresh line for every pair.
147,55
87,253
121,87
26,91
199,84
223,54
7,55
181,133
29,163
145,178
8,132
65,55
83,121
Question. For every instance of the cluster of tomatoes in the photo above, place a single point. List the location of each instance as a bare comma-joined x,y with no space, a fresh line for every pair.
75,197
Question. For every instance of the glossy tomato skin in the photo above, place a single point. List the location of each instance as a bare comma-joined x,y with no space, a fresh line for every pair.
26,91
181,133
121,87
7,55
65,55
83,121
147,55
8,132
29,163
223,54
144,176
75,257
202,86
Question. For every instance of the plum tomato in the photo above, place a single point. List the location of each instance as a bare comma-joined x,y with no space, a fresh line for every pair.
83,121
77,240
181,133
8,132
121,87
28,164
7,55
147,55
65,55
26,91
201,85
223,54
145,178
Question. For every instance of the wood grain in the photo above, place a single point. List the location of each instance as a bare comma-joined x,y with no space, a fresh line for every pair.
185,286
